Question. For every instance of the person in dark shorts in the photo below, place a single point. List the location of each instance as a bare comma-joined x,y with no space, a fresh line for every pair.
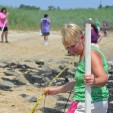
4,24
45,27
105,27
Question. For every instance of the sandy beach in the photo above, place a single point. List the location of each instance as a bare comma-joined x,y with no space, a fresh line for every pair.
27,47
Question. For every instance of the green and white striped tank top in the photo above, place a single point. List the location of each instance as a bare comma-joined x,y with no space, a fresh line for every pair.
97,93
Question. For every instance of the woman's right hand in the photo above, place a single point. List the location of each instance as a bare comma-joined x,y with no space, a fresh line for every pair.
51,91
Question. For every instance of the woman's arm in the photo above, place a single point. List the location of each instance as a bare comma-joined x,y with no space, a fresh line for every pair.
5,16
60,89
98,76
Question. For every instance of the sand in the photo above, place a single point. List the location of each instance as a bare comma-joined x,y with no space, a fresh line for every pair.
28,45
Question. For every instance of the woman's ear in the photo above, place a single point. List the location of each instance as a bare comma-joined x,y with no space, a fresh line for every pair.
82,38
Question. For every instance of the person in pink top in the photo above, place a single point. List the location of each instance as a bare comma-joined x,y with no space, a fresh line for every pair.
4,24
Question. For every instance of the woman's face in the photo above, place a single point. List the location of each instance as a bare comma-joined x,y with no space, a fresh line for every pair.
75,48
4,11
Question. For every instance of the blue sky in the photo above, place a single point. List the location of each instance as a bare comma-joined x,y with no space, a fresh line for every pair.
63,4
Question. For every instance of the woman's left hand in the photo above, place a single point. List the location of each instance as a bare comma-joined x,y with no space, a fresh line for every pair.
89,79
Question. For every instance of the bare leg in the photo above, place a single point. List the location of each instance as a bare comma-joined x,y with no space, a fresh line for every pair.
6,33
2,37
105,32
46,40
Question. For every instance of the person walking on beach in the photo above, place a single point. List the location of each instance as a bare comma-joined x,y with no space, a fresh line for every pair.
4,20
73,42
105,27
45,28
97,23
95,36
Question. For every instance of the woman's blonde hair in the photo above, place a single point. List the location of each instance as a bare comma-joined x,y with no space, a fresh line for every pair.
70,32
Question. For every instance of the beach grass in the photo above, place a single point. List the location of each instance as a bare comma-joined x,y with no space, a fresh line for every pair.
24,19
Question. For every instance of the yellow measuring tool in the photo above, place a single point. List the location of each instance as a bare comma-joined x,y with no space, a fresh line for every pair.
41,96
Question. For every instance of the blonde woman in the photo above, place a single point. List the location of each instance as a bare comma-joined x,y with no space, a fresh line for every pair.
73,41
